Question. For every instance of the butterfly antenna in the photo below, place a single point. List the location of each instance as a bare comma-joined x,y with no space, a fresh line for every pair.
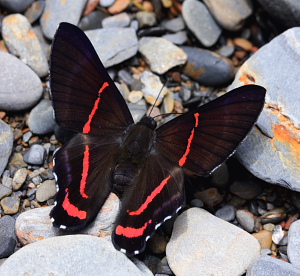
165,84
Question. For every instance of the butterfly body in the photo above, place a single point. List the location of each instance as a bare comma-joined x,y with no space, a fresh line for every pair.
140,162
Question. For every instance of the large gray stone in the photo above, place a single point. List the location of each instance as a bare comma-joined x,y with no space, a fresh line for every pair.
293,248
271,151
6,144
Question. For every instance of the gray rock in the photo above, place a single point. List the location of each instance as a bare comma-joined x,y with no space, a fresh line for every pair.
78,255
92,21
174,25
271,151
246,220
57,11
230,14
203,236
8,240
246,189
268,266
161,54
19,178
4,191
138,110
6,143
22,42
178,38
207,67
286,11
220,176
35,155
10,205
293,248
108,47
41,119
120,20
16,5
227,213
146,19
199,20
46,191
20,87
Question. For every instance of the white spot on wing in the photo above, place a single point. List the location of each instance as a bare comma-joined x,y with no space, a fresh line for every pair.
147,238
63,227
123,250
168,217
52,219
157,225
136,252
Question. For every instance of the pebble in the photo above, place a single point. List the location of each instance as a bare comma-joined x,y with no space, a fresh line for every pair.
35,225
275,145
34,12
268,266
178,38
92,21
146,19
138,110
246,189
4,191
226,51
207,67
20,87
57,11
264,237
161,54
243,43
226,213
17,6
16,162
46,190
118,6
174,25
201,23
8,240
41,119
168,103
108,47
89,256
294,244
199,234
19,178
10,205
278,234
6,143
22,42
245,219
210,196
120,20
35,155
106,3
135,96
230,14
220,176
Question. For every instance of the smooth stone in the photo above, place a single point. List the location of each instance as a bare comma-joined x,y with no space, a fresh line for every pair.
226,51
161,54
108,47
230,14
226,213
245,219
46,190
287,12
19,178
6,144
220,176
274,145
21,40
277,234
203,236
138,110
4,191
246,189
146,19
268,266
20,87
293,247
178,38
210,196
120,20
34,225
16,162
174,25
119,6
207,67
264,237
10,205
16,5
88,256
57,11
135,96
34,12
92,21
41,119
201,23
106,3
35,155
8,240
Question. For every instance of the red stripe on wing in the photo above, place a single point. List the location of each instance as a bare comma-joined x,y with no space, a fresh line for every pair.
85,171
130,232
71,209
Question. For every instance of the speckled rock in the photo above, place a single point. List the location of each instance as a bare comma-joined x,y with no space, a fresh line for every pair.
8,239
271,151
6,144
46,190
20,87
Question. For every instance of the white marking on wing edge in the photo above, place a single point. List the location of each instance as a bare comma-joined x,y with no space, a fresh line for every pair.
136,252
52,219
178,209
53,161
123,250
63,227
168,217
55,203
147,238
55,176
157,225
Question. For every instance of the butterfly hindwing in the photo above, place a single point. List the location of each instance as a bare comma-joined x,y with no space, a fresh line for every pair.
202,139
155,195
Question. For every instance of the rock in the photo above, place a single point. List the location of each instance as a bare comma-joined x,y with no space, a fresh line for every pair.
41,119
35,155
35,225
120,20
293,248
230,14
10,205
135,96
199,20
46,191
88,256
264,237
246,189
20,87
174,25
22,42
146,19
57,11
4,191
178,38
118,6
34,12
16,162
161,54
285,11
201,235
8,240
108,47
245,219
138,110
210,196
220,176
16,5
268,266
19,178
226,213
206,67
106,3
275,143
6,143
92,21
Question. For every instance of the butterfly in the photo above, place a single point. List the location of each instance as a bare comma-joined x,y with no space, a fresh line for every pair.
142,163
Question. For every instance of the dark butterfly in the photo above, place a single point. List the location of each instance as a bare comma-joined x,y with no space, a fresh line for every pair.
142,163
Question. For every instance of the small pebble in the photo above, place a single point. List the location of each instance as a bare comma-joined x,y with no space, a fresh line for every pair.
46,190
19,178
245,219
35,155
264,237
120,20
10,205
6,144
227,213
8,240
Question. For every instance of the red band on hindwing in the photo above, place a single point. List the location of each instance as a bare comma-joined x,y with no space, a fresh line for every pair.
149,199
71,209
87,126
190,140
85,171
130,232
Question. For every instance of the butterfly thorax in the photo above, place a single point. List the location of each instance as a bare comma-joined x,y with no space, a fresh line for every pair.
136,147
